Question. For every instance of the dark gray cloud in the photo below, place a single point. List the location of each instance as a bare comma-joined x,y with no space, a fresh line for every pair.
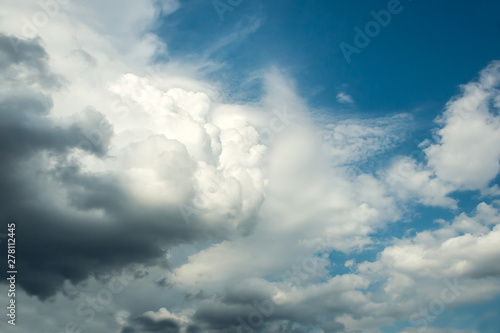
29,55
71,224
245,307
219,316
128,329
163,282
150,325
193,329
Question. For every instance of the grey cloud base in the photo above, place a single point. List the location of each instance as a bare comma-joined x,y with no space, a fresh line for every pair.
56,243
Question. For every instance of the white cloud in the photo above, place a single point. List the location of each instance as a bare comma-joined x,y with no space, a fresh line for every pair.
467,152
435,330
355,141
344,98
466,247
410,180
266,182
457,257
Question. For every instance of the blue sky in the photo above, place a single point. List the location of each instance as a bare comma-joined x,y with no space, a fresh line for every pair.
225,166
416,62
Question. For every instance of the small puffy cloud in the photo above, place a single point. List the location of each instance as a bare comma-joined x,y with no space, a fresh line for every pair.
151,321
344,98
169,6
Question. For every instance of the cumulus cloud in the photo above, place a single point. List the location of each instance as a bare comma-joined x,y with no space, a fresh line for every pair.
450,265
466,153
233,210
412,180
464,247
